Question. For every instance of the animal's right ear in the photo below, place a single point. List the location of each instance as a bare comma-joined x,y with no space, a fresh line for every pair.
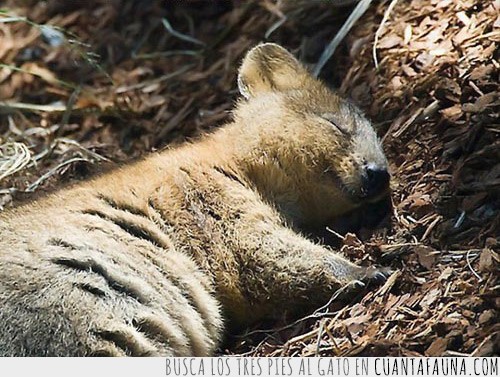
269,67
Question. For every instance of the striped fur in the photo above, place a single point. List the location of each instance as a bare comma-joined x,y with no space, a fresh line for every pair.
160,256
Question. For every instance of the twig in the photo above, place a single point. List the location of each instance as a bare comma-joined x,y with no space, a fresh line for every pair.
316,314
455,353
69,108
179,35
312,333
332,46
32,107
430,228
467,258
65,118
398,245
157,80
460,220
11,19
166,54
335,233
332,338
397,133
379,30
456,255
389,283
14,157
176,119
320,335
51,172
87,151
275,27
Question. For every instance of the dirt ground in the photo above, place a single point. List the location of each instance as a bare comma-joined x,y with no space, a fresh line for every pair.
86,85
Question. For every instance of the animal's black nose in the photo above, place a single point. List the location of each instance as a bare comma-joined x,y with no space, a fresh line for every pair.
376,181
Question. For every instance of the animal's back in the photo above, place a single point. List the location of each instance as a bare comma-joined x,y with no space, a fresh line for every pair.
82,273
148,259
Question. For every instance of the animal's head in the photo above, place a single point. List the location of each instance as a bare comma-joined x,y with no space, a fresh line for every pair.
317,141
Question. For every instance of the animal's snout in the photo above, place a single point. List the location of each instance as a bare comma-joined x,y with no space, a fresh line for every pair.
376,180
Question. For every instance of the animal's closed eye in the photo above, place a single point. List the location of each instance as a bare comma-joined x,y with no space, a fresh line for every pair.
334,123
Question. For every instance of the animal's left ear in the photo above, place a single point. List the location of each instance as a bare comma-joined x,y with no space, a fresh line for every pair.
269,67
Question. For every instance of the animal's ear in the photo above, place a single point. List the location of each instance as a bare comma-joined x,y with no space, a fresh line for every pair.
269,67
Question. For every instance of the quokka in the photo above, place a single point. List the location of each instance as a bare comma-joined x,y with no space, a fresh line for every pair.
160,256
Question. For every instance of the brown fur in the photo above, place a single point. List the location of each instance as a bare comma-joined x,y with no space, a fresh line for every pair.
149,259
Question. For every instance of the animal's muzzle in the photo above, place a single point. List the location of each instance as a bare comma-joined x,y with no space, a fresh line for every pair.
375,181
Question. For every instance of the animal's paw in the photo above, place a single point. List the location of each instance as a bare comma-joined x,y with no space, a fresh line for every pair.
378,274
366,275
354,286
